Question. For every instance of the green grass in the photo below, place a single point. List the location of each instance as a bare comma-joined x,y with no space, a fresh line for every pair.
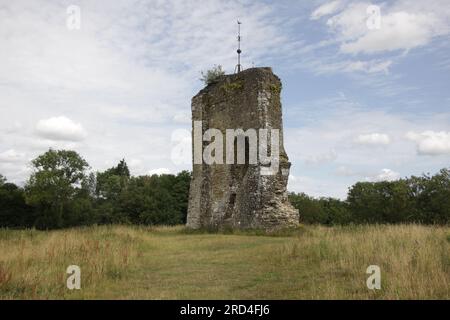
311,262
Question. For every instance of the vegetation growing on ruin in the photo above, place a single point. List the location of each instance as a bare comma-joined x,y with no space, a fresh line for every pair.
275,89
230,87
212,75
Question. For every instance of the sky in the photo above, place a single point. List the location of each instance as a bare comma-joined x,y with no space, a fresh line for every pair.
365,96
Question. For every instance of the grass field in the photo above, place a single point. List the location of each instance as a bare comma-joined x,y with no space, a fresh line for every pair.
313,262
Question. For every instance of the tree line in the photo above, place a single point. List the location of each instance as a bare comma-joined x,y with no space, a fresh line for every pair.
424,199
61,193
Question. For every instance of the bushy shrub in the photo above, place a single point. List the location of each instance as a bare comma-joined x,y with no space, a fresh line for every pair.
212,75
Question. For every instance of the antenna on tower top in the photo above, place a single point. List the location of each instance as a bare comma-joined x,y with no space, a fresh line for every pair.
239,67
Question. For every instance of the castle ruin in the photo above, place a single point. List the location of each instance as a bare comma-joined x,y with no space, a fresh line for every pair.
240,194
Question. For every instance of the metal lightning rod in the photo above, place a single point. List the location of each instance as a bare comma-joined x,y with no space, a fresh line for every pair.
239,67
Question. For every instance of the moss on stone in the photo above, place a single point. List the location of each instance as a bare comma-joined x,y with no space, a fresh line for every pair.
275,89
229,87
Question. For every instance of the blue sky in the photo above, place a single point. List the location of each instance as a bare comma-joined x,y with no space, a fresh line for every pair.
360,104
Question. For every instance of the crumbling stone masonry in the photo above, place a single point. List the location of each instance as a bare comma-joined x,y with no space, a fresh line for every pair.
238,195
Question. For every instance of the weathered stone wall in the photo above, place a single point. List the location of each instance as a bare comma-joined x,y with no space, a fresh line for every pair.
237,195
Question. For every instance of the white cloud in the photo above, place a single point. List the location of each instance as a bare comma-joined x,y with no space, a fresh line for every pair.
322,158
43,144
399,30
316,187
182,117
384,175
368,66
135,165
373,139
325,65
13,128
403,27
431,142
345,171
350,23
60,128
325,9
159,171
181,147
10,156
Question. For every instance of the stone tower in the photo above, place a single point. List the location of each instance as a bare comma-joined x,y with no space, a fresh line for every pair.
239,195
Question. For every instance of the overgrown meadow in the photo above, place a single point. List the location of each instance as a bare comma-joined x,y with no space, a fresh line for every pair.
311,262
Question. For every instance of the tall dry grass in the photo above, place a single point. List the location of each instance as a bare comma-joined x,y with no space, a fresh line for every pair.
312,262
33,263
414,261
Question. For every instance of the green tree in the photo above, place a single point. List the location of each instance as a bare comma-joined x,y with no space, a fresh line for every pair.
432,196
110,183
109,187
54,187
311,210
156,199
14,212
337,211
382,202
